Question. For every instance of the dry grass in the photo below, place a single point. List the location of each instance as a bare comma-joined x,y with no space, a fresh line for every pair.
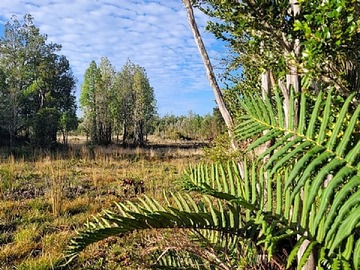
45,198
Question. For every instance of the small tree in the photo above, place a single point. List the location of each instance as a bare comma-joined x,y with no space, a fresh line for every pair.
68,121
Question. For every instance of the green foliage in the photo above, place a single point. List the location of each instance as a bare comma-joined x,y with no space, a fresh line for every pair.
45,125
329,33
290,194
135,103
89,99
320,42
33,78
255,33
117,102
220,150
321,156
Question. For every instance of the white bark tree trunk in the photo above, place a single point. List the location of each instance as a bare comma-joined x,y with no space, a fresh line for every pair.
212,79
208,66
266,84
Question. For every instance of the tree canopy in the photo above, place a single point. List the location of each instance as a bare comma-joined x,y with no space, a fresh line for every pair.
319,38
117,102
37,84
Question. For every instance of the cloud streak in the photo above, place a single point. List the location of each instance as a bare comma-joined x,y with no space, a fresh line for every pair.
153,34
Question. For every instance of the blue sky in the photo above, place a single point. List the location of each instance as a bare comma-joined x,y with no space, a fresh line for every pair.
153,34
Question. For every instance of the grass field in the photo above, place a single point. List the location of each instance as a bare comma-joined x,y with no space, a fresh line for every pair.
45,197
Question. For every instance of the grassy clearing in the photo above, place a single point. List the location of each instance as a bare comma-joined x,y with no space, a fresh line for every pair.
45,197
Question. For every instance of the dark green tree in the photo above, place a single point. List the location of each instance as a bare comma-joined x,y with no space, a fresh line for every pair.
45,125
37,78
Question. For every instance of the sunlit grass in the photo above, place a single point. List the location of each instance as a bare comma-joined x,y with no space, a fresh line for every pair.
45,198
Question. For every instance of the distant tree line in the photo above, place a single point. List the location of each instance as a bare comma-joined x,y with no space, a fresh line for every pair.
36,87
120,107
190,127
117,103
173,127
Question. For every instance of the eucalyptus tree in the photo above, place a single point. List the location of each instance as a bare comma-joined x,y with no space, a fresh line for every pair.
134,103
96,100
123,105
105,100
52,90
89,99
144,105
13,52
117,102
208,66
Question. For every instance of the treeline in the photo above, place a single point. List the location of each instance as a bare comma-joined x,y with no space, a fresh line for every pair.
117,103
37,100
171,127
120,107
36,87
189,127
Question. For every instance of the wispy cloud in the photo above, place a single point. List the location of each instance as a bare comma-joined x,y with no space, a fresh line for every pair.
153,34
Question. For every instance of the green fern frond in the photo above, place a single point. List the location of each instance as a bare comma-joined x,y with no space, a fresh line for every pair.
356,251
294,252
322,155
149,214
177,260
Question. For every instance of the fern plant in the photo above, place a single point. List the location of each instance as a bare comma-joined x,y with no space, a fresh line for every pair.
307,190
321,179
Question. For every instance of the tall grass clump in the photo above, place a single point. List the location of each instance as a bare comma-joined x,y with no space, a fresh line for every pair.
7,175
57,177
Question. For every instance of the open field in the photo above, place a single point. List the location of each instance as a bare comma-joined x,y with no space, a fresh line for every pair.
46,197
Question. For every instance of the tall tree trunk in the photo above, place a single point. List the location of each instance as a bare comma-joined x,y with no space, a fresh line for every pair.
212,79
209,69
292,78
125,133
266,84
